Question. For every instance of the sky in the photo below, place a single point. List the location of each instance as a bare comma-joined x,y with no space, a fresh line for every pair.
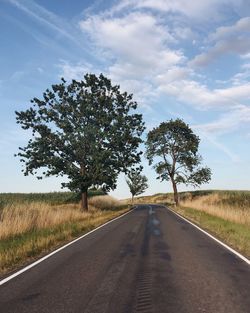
180,59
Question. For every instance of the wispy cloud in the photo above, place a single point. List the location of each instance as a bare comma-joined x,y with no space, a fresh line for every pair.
206,10
200,96
63,29
235,158
198,9
43,16
227,39
240,45
241,26
74,71
227,122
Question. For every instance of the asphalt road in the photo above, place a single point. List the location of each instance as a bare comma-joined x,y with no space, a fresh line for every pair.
147,261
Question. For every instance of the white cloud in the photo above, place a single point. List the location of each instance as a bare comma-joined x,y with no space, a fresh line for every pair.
243,76
227,122
242,25
246,66
174,74
137,39
203,98
184,33
245,56
234,94
137,45
199,10
239,79
188,8
240,45
228,39
74,71
189,91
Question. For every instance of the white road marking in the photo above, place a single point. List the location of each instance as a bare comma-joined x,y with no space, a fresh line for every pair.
5,280
157,232
151,211
155,221
217,240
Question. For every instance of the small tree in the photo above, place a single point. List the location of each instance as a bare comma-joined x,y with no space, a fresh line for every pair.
175,147
85,130
137,182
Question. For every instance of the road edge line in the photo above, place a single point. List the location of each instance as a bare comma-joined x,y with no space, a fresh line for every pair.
242,257
26,268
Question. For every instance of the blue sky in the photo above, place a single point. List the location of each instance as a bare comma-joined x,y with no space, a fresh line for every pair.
187,59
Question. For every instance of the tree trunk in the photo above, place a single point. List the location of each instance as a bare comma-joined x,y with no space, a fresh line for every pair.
132,200
84,201
176,197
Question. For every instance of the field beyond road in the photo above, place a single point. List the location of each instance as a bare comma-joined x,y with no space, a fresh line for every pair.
225,214
31,225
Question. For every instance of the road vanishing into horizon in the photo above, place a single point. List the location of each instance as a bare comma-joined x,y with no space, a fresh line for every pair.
149,260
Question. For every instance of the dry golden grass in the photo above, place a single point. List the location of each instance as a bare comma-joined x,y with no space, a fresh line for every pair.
28,230
216,204
104,202
20,218
157,198
23,217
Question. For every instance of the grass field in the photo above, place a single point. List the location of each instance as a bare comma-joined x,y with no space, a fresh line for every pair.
226,214
232,206
49,197
32,225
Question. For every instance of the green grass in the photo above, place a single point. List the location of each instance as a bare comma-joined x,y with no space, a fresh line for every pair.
52,198
234,234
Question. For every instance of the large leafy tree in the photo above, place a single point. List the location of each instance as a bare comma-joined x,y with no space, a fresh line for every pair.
86,130
136,182
174,147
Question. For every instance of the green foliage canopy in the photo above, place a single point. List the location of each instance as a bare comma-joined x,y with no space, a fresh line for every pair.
136,182
174,147
86,130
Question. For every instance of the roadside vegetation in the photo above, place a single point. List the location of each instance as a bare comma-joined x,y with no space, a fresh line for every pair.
226,214
46,197
30,228
233,206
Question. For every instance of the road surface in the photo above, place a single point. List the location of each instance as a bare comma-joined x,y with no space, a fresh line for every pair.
147,261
